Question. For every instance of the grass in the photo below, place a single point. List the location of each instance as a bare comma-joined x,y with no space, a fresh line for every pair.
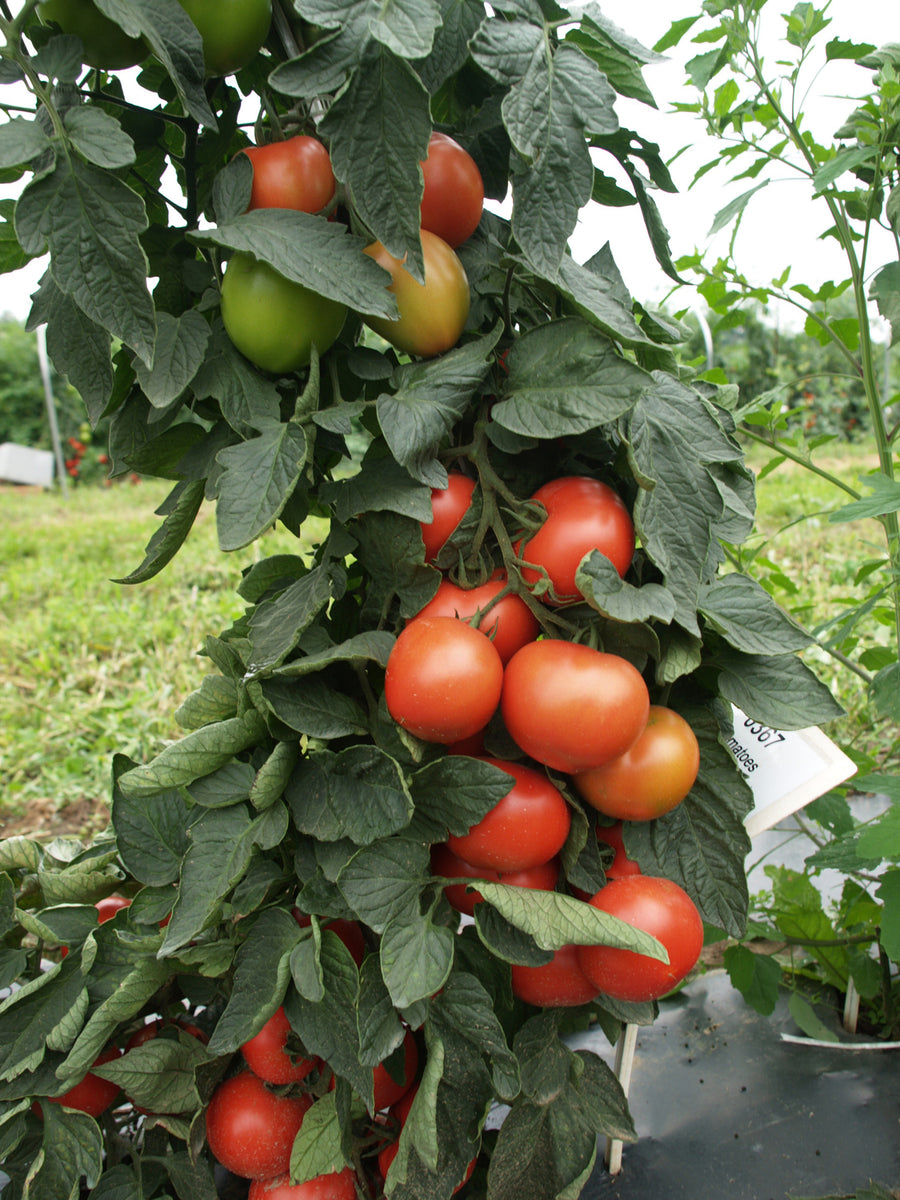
89,668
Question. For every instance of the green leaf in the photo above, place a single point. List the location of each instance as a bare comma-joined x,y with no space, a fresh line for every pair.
99,137
378,159
151,834
90,222
756,976
888,892
466,1006
883,498
381,485
416,957
618,56
734,208
603,588
169,538
257,479
247,399
372,646
744,613
383,880
71,1148
21,141
453,793
272,777
313,708
214,700
838,49
599,296
799,913
317,1147
779,690
884,692
29,1017
547,114
390,550
276,625
843,160
565,378
428,399
197,754
308,249
160,1075
359,793
811,1024
180,349
881,838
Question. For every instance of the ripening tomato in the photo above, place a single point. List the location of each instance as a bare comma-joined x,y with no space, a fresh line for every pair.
453,194
448,507
267,1056
525,829
443,679
232,31
250,1129
509,624
583,514
621,863
387,1090
661,908
339,1185
652,777
445,862
92,1094
109,906
295,173
105,43
572,707
560,983
432,314
272,320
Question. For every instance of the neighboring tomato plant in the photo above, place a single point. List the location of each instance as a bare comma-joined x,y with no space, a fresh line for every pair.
105,43
560,983
572,707
652,777
274,321
448,507
432,314
659,907
583,514
525,829
453,192
267,1055
443,679
232,30
463,898
251,1129
92,1094
338,1185
295,173
510,624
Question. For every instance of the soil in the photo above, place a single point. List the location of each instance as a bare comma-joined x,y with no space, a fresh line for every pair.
82,818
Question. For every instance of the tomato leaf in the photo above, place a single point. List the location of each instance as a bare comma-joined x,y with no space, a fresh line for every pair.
150,832
168,539
391,550
160,1075
618,56
380,1029
598,294
99,137
453,793
416,957
257,479
756,976
72,1148
180,349
466,1006
317,1147
383,880
247,400
370,646
314,708
277,624
748,618
199,753
604,589
359,793
29,1016
778,689
78,346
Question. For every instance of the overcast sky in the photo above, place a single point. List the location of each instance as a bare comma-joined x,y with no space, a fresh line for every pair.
782,224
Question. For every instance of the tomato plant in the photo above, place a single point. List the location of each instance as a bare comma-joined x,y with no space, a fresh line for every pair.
432,314
294,173
572,707
105,43
267,1054
443,679
560,983
453,191
651,777
509,624
232,30
449,864
336,1185
525,829
251,1129
448,506
273,321
659,907
583,514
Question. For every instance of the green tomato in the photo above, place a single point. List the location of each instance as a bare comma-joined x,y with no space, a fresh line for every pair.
232,30
105,43
273,321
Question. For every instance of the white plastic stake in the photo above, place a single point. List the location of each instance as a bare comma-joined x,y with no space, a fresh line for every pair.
625,1048
851,1007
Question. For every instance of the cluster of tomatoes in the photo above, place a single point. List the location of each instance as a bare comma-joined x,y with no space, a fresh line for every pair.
275,321
572,710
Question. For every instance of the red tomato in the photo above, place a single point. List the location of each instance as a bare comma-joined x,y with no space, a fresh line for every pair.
472,747
432,315
387,1090
583,514
509,624
338,1186
621,863
295,173
250,1129
453,194
443,679
659,907
448,507
444,862
650,778
92,1095
348,931
109,906
266,1054
572,707
524,829
560,983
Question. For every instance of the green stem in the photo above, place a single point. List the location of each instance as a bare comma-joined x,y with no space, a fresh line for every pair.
785,452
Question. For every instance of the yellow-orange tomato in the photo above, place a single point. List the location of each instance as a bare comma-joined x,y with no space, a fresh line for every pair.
651,778
432,315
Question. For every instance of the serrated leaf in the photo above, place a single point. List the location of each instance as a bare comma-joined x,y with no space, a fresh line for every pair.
416,957
756,976
373,646
383,880
313,708
453,793
601,585
465,1005
214,700
276,625
247,399
198,753
99,137
748,618
169,538
30,1014
390,549
381,485
317,1147
884,493
780,690
160,1075
180,348
151,834
21,141
71,1149
90,222
257,479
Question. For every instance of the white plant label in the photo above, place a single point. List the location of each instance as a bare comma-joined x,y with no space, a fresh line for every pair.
786,769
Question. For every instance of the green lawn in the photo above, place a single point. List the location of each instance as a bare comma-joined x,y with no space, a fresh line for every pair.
89,667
